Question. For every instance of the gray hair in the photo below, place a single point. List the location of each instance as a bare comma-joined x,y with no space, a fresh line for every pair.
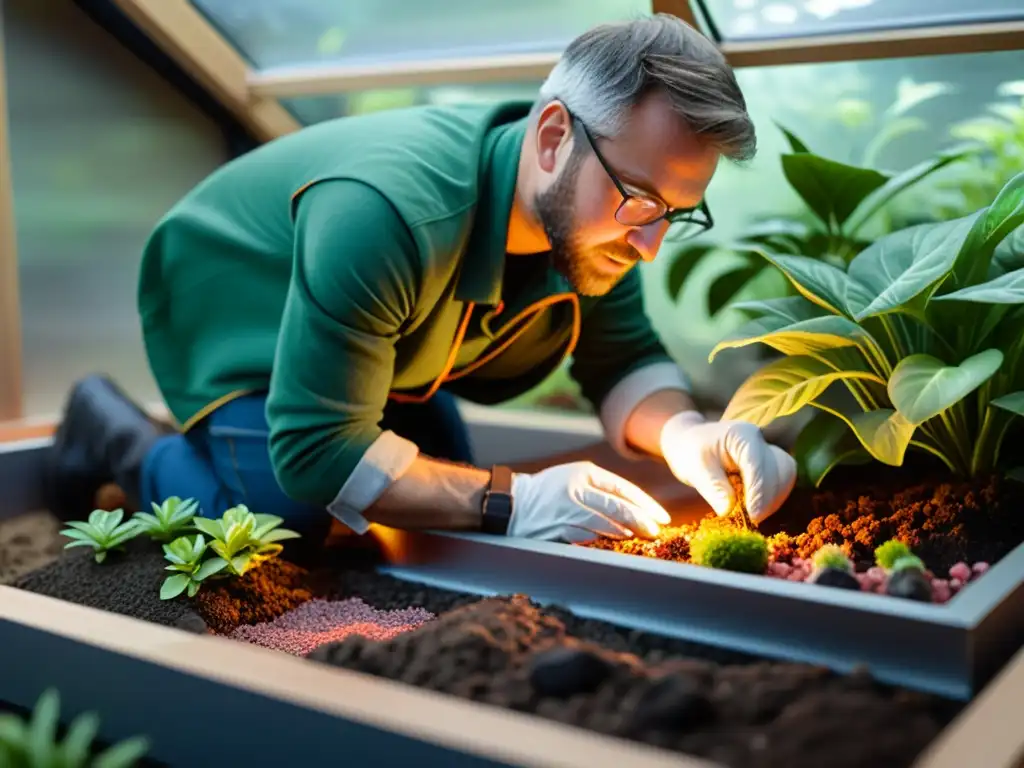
606,71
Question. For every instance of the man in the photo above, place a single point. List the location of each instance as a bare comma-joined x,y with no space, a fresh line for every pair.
310,309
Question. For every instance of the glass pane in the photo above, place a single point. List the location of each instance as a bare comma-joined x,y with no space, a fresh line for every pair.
101,147
759,19
274,33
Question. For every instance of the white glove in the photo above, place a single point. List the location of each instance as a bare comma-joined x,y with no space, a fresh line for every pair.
701,452
579,502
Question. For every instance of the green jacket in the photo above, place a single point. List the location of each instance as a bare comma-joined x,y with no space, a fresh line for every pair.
361,259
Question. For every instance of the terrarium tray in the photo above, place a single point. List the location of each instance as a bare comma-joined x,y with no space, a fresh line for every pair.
951,649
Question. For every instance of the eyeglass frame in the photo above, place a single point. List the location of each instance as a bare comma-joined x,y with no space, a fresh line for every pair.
626,196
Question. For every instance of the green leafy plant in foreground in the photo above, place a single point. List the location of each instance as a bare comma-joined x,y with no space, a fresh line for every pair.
730,550
889,552
831,556
168,520
34,744
186,556
917,344
104,532
839,201
244,539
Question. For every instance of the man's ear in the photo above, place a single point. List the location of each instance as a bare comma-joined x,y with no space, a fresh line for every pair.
554,132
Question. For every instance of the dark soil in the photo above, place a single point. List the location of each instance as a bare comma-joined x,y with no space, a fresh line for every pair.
944,522
511,652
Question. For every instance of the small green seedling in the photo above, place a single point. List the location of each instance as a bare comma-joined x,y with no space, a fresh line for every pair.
737,550
168,520
831,556
244,539
34,744
103,532
186,556
891,551
907,562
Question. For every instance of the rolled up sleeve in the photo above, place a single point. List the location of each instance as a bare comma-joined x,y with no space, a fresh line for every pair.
619,360
354,282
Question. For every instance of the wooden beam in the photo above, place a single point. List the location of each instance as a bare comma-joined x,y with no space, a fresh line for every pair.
11,399
319,80
187,37
886,44
318,708
931,41
679,8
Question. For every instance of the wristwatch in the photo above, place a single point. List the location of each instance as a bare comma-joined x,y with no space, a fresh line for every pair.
497,506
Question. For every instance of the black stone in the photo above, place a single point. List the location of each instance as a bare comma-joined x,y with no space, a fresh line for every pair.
837,577
566,671
192,622
911,584
673,702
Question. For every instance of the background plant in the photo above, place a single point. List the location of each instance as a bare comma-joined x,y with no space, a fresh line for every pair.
918,344
170,518
34,744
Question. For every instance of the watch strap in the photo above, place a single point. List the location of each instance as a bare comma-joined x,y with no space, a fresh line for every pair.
497,505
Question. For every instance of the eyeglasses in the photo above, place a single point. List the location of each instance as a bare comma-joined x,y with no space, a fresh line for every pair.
643,210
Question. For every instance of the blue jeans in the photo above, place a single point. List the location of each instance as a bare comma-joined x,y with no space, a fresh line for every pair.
224,460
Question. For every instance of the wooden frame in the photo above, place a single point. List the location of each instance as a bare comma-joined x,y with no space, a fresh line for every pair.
185,35
126,669
10,306
924,41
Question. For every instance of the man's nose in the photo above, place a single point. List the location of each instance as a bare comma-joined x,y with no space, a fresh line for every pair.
647,240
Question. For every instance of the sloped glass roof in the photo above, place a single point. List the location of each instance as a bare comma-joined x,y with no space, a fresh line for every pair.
277,33
739,20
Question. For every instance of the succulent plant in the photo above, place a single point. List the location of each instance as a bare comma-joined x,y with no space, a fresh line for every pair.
186,556
169,519
735,550
907,562
244,539
34,744
104,532
831,556
888,553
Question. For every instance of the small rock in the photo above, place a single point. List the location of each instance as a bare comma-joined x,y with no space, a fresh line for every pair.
960,571
941,592
955,584
673,702
565,671
192,622
836,577
911,584
877,574
979,569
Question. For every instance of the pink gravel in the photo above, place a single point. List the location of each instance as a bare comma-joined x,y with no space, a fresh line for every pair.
317,622
874,579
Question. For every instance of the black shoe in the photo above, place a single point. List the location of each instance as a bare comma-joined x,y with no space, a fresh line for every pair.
103,438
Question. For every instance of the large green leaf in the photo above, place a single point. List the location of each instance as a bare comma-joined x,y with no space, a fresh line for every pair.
905,264
790,308
879,197
823,444
1013,402
989,229
832,190
922,386
884,433
682,267
783,387
725,286
825,285
807,337
794,141
1005,289
1009,254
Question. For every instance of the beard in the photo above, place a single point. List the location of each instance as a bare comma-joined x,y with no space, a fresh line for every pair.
555,209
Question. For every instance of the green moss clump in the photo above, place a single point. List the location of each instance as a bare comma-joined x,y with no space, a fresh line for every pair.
735,550
888,553
908,562
831,556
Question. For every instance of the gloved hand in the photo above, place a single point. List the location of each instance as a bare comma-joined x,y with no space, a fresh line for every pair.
580,501
701,452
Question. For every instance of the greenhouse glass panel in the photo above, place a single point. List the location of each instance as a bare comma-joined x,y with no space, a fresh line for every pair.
275,33
764,19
